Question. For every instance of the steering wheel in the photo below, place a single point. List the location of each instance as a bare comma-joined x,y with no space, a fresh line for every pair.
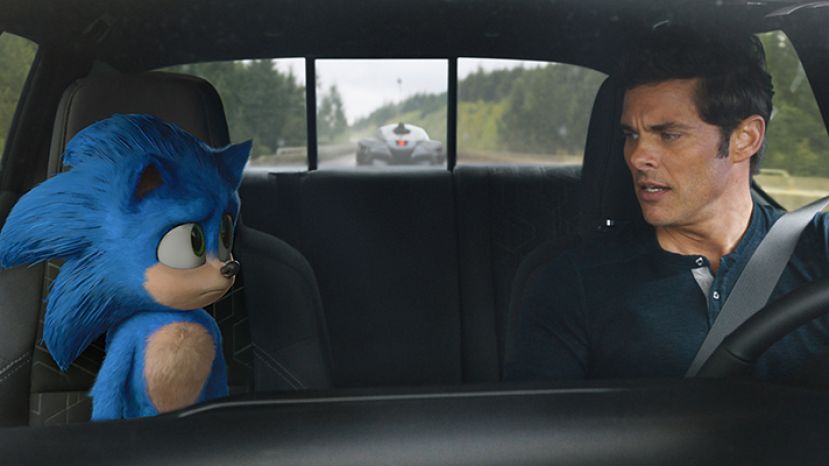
739,351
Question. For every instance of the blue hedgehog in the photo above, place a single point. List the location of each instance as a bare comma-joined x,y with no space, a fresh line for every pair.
144,222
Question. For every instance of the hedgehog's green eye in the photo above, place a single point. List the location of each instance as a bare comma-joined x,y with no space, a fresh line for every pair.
182,247
197,240
225,237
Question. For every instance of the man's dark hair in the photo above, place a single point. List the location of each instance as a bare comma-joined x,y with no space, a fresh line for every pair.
731,68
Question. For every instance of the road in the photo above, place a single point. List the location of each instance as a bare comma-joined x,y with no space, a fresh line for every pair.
333,155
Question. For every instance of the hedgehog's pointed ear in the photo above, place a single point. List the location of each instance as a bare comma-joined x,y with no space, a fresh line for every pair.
232,160
151,177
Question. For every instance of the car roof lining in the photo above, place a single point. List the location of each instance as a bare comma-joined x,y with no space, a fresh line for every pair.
587,32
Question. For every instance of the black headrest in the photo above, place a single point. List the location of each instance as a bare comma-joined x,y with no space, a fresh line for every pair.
607,194
191,103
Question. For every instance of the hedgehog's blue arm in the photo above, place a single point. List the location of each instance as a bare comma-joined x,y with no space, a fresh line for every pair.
108,393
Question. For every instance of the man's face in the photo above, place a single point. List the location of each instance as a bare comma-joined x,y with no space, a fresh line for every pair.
672,155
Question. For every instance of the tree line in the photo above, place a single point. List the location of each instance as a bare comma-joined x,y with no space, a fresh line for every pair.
535,110
16,55
546,110
261,102
796,136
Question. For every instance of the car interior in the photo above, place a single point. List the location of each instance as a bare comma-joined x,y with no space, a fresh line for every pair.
374,308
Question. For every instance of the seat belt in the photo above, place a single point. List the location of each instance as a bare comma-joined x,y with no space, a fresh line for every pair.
758,278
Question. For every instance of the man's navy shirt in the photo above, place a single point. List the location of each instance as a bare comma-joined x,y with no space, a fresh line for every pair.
621,306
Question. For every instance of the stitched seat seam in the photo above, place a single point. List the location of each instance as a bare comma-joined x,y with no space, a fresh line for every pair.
9,365
21,363
279,368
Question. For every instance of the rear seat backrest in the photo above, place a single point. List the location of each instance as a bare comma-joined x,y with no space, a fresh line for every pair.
607,199
606,188
190,102
415,266
504,213
293,356
383,246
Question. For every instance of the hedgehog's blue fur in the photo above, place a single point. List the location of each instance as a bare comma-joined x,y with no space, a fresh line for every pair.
91,218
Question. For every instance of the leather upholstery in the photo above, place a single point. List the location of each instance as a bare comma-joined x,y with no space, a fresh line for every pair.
523,207
190,102
415,266
290,349
606,196
383,247
606,187
20,291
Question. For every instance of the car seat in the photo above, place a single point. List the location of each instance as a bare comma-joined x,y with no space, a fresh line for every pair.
272,323
607,199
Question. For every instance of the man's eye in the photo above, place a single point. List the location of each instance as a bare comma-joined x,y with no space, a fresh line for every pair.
630,136
670,136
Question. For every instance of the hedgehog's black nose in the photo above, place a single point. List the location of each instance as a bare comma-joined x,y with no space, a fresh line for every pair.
231,269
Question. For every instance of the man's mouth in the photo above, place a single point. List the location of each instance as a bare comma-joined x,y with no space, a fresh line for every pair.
653,187
651,191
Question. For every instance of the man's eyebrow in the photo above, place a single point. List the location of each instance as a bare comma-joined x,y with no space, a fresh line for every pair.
660,127
668,125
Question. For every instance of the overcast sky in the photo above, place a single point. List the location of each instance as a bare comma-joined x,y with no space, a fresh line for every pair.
368,84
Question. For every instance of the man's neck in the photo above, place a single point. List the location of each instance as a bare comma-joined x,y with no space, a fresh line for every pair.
712,239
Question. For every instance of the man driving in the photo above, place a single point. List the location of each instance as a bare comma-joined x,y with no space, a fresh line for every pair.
639,301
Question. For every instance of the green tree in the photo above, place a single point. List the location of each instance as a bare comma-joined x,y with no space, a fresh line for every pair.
483,86
539,110
548,108
796,136
261,103
16,55
424,104
331,121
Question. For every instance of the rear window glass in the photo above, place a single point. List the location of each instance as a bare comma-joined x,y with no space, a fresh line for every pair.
381,113
523,112
264,100
795,168
16,56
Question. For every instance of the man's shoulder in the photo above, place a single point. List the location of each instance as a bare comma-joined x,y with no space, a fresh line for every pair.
816,235
813,242
821,224
817,229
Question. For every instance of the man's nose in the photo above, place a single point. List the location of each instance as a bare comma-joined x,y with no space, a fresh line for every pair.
641,155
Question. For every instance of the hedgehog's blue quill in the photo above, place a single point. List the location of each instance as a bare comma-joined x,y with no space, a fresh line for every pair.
135,183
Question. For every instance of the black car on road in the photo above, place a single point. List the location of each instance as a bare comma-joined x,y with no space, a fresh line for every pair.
400,144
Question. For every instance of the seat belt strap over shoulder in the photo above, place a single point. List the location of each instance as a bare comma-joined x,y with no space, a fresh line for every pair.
758,279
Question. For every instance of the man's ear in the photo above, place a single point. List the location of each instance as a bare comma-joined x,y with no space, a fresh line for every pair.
747,138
